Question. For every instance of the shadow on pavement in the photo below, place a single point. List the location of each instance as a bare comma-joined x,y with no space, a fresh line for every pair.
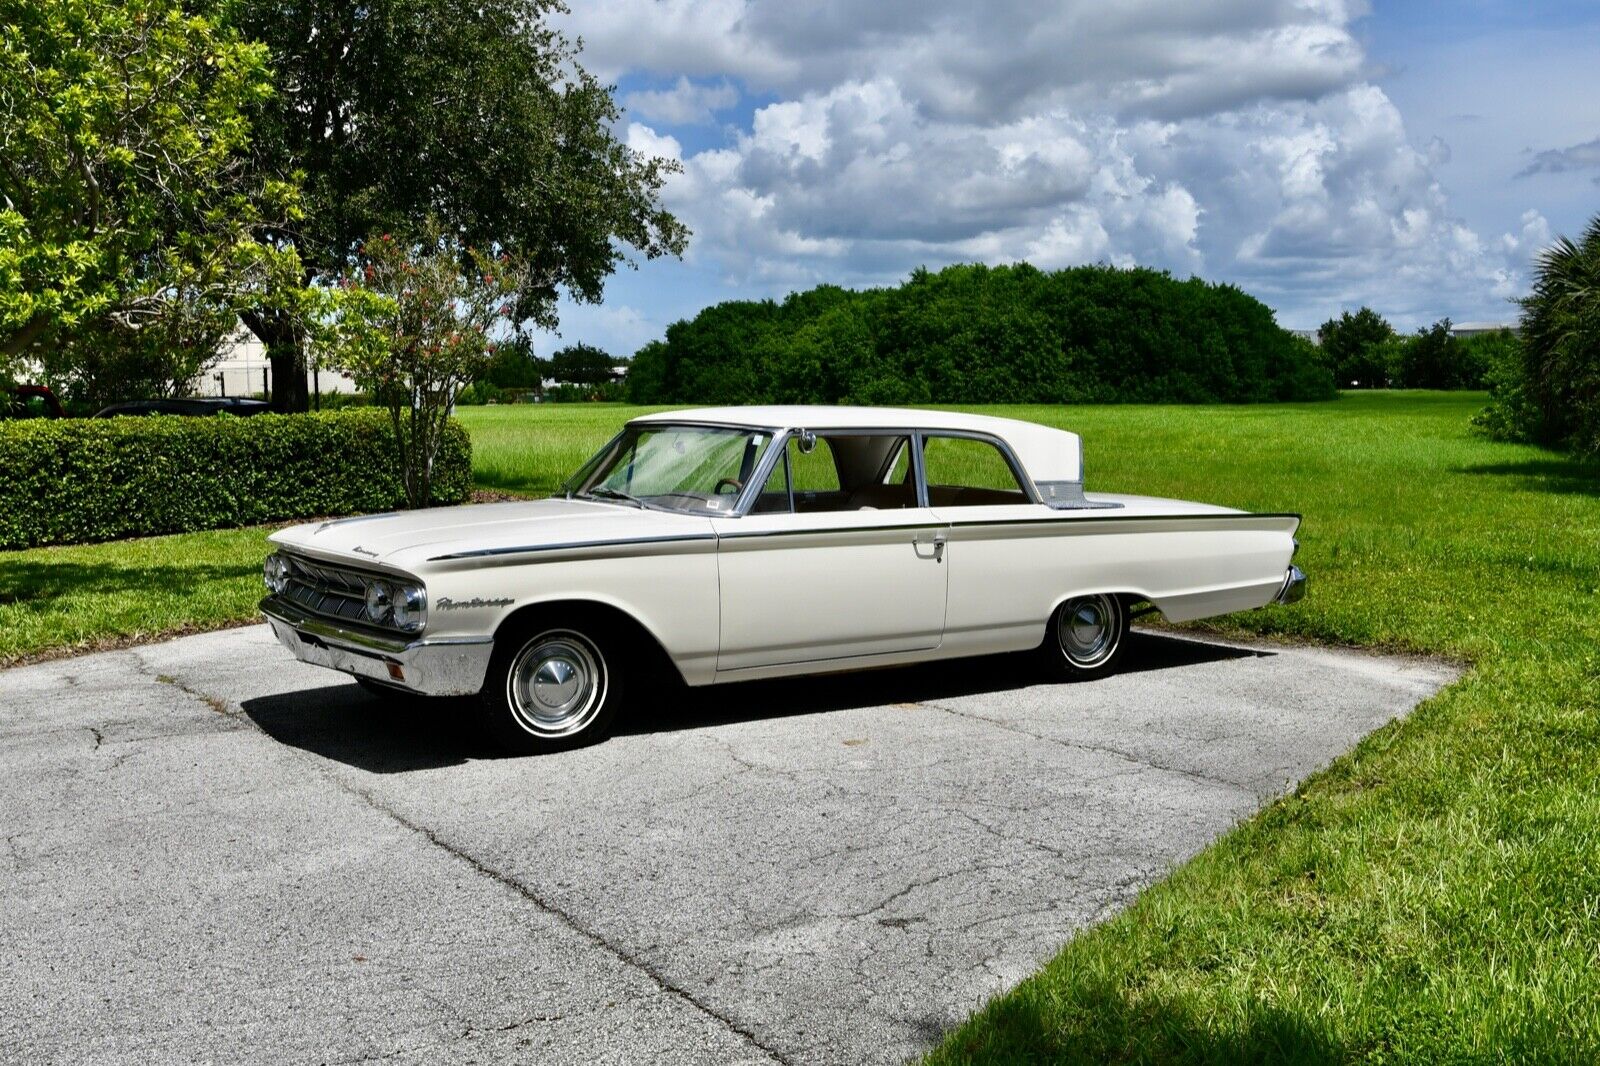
397,734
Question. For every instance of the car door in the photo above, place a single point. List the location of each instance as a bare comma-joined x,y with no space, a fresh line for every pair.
1004,563
837,559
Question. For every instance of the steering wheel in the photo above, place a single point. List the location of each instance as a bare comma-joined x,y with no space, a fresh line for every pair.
733,481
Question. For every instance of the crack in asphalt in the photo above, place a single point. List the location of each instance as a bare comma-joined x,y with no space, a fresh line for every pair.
1127,756
662,982
657,978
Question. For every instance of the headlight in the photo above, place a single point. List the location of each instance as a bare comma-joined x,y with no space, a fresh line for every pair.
409,607
275,572
380,601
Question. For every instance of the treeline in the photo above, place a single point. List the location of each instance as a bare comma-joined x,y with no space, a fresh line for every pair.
976,334
1365,352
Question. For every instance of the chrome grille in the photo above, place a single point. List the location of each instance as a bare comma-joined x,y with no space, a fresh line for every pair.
326,590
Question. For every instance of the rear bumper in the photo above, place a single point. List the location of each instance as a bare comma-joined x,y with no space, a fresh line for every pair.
1293,588
445,667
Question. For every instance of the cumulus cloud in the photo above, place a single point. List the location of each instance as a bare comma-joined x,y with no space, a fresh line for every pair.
685,104
1241,139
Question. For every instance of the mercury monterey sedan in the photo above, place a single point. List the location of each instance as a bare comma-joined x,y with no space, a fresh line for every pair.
727,544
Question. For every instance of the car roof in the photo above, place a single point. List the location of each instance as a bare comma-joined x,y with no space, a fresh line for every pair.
1046,454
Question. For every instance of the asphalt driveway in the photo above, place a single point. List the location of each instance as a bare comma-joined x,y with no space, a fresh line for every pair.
213,853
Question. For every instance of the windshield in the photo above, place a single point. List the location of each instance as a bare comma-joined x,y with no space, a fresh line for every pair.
700,469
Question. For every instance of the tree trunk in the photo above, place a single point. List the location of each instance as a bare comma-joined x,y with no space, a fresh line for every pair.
286,353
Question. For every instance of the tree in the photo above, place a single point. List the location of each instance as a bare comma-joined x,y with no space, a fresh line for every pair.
514,366
978,334
1431,359
413,322
1351,346
124,200
582,364
1561,343
104,362
475,112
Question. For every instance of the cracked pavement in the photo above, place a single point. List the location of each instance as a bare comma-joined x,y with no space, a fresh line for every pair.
213,852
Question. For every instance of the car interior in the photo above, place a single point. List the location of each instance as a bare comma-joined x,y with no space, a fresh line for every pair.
873,472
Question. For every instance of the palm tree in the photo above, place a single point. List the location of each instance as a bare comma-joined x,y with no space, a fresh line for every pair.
1561,341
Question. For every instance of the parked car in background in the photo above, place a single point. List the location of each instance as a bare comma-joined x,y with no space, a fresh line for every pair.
30,401
202,405
734,543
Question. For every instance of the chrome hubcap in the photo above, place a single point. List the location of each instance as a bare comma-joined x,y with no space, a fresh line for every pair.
1089,629
557,684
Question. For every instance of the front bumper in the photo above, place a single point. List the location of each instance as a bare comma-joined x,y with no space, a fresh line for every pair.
452,666
1293,589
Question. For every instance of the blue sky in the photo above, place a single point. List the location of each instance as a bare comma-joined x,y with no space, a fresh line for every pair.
1321,154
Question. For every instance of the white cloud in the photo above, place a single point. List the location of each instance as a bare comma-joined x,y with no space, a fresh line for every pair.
1240,139
685,104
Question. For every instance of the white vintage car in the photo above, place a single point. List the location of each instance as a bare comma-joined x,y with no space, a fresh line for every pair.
726,544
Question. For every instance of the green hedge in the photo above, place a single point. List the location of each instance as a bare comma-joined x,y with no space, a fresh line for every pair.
77,480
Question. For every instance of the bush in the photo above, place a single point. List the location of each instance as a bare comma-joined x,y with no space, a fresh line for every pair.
976,334
72,481
1551,395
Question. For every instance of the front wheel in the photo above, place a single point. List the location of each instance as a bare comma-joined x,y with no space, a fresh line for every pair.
550,688
1085,637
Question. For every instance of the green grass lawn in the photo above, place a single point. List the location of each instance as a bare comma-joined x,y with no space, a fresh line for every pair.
1435,895
85,596
530,450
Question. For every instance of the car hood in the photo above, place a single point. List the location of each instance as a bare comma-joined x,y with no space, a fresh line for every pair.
407,540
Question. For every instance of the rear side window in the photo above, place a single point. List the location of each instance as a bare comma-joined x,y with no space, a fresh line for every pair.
966,472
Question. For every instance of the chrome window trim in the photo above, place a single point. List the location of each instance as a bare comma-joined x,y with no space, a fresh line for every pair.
1023,480
780,442
892,527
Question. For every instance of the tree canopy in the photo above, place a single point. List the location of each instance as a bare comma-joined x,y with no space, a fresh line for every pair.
1552,393
473,112
123,198
1352,345
976,334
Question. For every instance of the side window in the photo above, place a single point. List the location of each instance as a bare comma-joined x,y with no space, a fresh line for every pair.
814,471
844,472
963,472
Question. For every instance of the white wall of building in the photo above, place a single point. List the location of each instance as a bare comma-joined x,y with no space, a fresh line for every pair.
240,371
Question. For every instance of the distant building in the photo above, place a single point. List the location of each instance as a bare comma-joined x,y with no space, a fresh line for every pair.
244,370
1472,329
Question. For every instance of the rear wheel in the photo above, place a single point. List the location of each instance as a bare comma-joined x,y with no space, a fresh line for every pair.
550,688
1086,636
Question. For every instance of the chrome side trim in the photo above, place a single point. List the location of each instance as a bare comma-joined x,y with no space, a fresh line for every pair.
531,549
1055,520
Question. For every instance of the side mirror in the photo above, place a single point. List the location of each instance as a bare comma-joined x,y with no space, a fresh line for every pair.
807,441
